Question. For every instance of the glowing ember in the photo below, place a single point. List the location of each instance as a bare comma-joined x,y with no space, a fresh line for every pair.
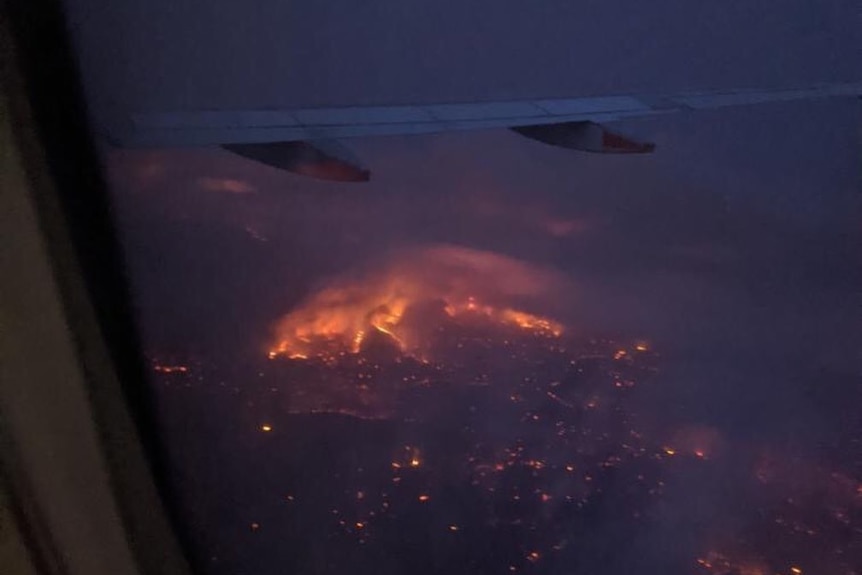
171,368
266,428
357,340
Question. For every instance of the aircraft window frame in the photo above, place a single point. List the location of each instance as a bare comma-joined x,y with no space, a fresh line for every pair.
69,288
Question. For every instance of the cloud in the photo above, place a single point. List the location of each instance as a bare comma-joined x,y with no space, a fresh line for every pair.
226,185
561,228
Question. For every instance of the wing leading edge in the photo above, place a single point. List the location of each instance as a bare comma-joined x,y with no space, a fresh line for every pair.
219,127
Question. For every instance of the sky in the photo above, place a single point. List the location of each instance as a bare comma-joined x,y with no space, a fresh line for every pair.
204,55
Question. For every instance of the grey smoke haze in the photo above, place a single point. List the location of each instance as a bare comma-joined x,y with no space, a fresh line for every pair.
652,242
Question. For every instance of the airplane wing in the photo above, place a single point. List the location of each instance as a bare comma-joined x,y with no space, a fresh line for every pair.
268,135
217,127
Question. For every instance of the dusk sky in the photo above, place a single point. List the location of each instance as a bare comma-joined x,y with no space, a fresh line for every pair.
205,56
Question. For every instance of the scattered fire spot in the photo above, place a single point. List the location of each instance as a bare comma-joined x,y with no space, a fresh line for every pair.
170,368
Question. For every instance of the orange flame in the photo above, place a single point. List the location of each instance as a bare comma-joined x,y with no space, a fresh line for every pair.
348,310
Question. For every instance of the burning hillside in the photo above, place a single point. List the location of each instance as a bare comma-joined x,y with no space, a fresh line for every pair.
411,295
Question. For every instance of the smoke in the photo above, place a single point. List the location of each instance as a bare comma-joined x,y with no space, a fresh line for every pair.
750,313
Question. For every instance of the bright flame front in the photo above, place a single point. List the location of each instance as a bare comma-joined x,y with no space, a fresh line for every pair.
409,296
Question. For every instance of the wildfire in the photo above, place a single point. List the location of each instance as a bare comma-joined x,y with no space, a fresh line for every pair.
506,315
406,298
170,368
722,564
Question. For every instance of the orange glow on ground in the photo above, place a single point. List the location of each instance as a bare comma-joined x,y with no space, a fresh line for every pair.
457,282
386,319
